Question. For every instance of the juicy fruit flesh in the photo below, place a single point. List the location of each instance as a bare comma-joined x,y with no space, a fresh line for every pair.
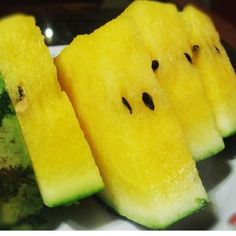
147,169
60,155
217,73
19,195
166,38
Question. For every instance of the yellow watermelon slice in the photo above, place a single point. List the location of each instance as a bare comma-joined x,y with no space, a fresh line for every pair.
165,36
149,174
217,73
61,158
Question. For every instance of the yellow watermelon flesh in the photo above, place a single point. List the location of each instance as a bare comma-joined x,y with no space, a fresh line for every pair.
61,158
167,40
217,73
149,174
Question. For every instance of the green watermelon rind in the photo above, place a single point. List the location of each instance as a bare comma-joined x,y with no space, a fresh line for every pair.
202,203
75,199
210,154
17,182
227,134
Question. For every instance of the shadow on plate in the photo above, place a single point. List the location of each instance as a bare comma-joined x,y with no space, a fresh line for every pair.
230,148
215,169
88,214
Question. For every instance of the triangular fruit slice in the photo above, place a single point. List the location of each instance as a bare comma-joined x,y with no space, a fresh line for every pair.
19,195
149,174
217,73
60,155
165,36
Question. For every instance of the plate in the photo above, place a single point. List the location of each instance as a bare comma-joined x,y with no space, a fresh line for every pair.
218,175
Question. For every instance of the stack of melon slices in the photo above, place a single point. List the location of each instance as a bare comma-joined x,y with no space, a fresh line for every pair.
141,101
61,158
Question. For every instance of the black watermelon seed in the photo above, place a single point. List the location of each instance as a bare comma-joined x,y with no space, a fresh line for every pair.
188,57
195,48
155,65
147,99
217,49
21,93
126,103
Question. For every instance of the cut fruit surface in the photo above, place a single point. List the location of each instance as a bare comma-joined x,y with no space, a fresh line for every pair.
165,36
60,155
147,168
217,73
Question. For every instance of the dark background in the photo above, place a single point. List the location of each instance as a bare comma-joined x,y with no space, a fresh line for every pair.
71,17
